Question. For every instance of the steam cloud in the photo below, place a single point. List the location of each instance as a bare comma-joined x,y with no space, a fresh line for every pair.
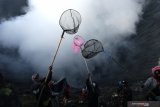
36,34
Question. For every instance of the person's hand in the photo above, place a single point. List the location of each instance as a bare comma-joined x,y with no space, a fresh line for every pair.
50,84
50,68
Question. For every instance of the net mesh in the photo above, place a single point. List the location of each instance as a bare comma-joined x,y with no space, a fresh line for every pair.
70,21
92,48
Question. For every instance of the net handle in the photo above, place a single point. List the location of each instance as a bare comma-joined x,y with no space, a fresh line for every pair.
55,55
49,71
58,48
87,67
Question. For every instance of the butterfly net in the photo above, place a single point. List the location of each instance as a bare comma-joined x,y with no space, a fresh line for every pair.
92,48
70,21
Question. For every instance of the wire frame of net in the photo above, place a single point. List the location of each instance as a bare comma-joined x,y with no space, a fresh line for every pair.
70,21
92,48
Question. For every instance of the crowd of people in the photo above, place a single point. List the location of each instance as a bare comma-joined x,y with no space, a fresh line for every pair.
48,93
91,92
57,94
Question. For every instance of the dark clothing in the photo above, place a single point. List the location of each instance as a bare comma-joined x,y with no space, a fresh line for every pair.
38,86
156,90
125,95
61,88
153,85
153,95
93,94
126,92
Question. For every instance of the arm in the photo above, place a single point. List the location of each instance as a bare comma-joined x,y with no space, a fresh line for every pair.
147,84
49,75
88,83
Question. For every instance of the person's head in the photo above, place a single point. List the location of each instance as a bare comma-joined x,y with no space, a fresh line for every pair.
83,90
94,84
123,83
35,77
156,72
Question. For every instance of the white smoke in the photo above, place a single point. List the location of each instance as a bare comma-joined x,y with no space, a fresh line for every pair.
37,33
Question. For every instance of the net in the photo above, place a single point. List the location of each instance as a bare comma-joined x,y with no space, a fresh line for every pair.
70,21
92,48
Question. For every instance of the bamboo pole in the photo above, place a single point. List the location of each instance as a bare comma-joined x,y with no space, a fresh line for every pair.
50,70
87,67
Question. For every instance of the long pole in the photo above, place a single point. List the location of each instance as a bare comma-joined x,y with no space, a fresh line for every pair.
55,55
87,67
57,48
49,71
